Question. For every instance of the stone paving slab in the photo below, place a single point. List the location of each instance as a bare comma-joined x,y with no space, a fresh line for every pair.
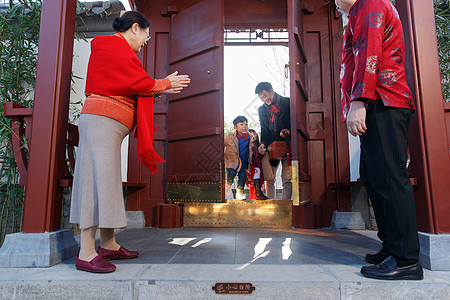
192,281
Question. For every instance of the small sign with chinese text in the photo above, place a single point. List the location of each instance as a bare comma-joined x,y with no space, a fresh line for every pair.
233,288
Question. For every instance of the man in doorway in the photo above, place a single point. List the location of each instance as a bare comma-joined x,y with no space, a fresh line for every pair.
275,120
377,105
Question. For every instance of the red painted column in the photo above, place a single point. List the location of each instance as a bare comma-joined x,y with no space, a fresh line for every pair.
43,199
428,140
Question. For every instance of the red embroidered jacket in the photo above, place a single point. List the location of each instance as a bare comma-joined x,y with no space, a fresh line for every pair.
373,56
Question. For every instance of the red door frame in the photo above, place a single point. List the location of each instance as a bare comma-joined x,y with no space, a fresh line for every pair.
428,139
43,199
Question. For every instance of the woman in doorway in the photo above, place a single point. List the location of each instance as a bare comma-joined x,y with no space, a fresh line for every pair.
119,97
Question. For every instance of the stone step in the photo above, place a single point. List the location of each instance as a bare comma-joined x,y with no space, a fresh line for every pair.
237,213
187,281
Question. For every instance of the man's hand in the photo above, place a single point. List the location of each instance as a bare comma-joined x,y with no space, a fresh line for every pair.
262,149
356,118
284,132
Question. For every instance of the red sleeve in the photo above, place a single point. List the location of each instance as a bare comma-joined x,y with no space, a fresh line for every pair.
368,32
346,71
160,86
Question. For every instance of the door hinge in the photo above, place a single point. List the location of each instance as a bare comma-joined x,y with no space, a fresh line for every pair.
170,11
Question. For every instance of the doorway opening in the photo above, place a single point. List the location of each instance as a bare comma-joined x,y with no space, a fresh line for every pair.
252,56
245,65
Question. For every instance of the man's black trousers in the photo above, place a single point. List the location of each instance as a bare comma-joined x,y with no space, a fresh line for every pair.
383,172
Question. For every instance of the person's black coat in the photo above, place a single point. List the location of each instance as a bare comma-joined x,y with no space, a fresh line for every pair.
267,136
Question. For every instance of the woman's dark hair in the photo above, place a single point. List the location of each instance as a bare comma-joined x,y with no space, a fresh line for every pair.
257,137
127,20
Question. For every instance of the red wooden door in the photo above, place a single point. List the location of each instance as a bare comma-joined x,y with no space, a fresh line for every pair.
299,99
319,137
195,137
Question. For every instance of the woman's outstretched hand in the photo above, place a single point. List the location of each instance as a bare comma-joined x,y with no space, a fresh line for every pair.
178,81
172,91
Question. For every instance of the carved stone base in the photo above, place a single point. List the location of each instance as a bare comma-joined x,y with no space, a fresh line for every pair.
347,220
434,251
25,250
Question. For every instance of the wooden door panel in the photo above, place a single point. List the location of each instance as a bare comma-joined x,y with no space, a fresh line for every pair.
195,122
183,125
160,133
196,29
314,67
299,99
318,178
313,88
204,70
320,112
200,161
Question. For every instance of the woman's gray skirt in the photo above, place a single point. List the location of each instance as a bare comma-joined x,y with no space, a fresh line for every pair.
97,195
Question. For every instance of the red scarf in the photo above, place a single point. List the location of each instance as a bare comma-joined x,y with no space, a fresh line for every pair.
115,70
274,109
245,136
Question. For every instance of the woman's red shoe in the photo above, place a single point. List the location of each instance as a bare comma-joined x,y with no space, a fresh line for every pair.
97,265
122,253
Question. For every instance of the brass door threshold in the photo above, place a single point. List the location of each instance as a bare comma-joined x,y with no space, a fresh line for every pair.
238,213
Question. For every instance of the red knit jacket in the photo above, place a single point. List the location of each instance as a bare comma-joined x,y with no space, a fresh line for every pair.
115,79
115,101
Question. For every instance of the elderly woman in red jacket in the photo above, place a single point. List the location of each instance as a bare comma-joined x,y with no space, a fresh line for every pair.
119,97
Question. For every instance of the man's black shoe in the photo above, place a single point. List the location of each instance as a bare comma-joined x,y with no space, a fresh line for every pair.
389,270
376,258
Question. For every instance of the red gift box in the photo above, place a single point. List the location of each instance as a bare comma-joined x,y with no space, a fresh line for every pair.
277,150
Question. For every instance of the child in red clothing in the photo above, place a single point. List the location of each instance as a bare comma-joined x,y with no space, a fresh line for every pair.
256,175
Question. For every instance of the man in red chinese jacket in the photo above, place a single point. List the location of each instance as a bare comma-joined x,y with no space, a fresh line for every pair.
377,105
